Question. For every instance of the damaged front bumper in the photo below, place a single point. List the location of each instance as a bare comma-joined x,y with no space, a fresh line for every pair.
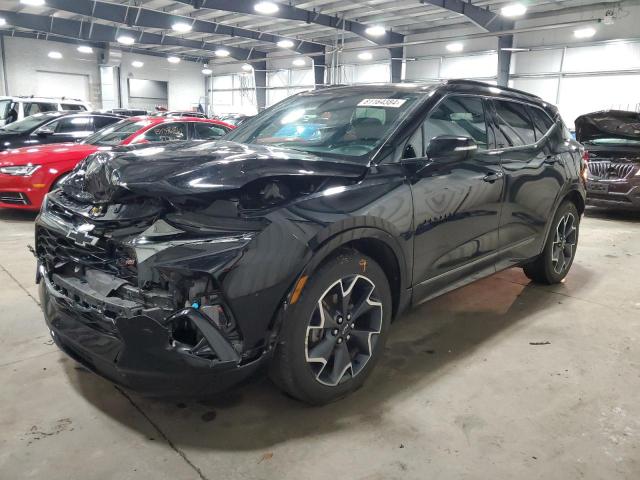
131,348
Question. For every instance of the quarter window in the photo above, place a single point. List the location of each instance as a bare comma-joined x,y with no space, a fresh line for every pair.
514,126
31,108
208,131
458,115
542,123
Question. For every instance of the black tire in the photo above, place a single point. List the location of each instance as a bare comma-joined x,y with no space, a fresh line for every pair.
547,268
297,366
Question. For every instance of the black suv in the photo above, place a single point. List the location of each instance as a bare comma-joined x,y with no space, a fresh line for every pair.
294,243
53,127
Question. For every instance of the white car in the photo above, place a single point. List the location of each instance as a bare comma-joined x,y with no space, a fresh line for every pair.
17,108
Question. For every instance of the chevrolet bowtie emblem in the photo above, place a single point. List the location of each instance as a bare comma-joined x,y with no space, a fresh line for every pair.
81,236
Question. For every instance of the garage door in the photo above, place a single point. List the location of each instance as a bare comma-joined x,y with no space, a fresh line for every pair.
54,84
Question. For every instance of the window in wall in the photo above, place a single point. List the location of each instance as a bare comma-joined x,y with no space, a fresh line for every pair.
514,126
459,115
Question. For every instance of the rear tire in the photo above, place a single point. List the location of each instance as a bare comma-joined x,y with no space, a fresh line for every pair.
553,264
333,336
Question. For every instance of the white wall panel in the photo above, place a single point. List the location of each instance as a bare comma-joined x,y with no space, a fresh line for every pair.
613,56
579,95
545,88
71,85
425,69
537,61
374,73
470,66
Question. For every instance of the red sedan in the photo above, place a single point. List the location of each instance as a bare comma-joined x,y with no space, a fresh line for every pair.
28,174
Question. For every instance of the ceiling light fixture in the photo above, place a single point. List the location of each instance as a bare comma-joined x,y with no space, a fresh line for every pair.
266,8
513,10
32,3
375,31
85,49
247,68
455,47
173,59
181,27
286,43
299,62
137,64
126,40
207,71
587,32
3,22
55,55
365,55
221,52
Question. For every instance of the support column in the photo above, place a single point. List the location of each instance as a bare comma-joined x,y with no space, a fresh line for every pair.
397,57
504,59
260,78
319,71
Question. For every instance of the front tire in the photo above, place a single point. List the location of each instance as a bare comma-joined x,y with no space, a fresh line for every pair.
553,264
333,336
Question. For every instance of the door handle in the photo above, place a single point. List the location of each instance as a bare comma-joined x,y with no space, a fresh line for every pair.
492,177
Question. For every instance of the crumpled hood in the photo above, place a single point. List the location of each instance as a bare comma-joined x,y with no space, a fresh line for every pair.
608,124
44,154
179,169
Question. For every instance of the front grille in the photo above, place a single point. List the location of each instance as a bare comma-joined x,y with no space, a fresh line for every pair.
104,256
606,170
16,198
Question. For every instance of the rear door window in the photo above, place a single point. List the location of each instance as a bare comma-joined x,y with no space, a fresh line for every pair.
101,122
458,115
168,132
31,108
73,107
209,131
513,124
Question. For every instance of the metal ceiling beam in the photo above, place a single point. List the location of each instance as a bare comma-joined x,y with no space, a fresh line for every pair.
485,19
147,18
289,12
96,32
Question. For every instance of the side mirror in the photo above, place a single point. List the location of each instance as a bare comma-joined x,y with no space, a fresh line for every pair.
44,132
450,148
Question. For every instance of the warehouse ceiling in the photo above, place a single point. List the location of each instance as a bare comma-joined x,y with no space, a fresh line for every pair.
250,35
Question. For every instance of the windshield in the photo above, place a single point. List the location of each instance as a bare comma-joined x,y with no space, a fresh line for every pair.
117,133
612,141
344,122
30,123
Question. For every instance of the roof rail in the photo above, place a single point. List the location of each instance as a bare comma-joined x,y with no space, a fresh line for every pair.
461,81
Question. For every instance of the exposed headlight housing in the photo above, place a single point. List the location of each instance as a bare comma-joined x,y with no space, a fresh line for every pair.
20,170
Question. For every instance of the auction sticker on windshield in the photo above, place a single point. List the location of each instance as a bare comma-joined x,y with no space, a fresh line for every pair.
382,102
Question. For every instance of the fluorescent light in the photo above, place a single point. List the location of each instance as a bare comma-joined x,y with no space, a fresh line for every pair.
85,49
137,64
55,55
299,62
173,59
126,40
375,31
285,43
513,10
181,27
515,49
266,7
247,68
221,52
587,32
365,56
32,3
207,71
455,47
3,22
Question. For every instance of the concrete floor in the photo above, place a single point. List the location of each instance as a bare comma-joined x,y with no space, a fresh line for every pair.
462,392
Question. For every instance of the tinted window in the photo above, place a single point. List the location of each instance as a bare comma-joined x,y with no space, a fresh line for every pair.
413,148
167,132
70,106
514,127
463,116
31,108
70,125
101,122
542,123
116,134
208,131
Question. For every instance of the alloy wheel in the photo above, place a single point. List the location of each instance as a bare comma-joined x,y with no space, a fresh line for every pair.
343,330
564,243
